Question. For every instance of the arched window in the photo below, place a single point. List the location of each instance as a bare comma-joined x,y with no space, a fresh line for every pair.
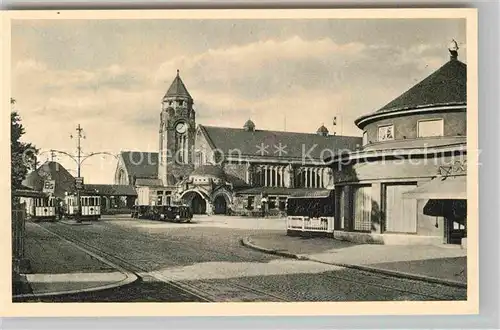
122,177
181,145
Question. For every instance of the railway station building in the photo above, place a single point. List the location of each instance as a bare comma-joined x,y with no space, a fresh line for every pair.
227,170
407,184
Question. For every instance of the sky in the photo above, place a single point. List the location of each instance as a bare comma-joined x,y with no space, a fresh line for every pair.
109,76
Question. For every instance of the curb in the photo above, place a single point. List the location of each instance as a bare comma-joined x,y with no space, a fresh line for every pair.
248,243
129,277
74,223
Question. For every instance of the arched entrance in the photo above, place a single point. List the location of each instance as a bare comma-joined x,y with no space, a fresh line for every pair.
198,204
220,205
196,201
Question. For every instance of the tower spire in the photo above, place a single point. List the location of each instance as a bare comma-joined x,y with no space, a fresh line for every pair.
453,49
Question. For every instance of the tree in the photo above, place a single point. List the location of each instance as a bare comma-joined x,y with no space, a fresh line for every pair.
23,155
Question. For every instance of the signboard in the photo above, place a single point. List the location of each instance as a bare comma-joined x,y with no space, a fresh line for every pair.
49,186
79,183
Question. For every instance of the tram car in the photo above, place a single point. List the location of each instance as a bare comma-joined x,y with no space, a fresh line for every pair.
90,205
44,208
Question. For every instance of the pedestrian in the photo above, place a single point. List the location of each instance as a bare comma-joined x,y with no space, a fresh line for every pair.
263,202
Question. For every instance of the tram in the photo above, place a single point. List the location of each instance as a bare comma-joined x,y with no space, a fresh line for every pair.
90,207
44,208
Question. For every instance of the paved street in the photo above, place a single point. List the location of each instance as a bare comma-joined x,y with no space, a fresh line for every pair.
205,261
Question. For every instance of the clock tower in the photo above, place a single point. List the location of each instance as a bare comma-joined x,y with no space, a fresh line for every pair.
177,132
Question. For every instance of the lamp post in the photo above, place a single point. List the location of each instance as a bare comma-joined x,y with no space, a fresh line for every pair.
79,159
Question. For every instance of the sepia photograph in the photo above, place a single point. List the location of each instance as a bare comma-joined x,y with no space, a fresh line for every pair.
193,157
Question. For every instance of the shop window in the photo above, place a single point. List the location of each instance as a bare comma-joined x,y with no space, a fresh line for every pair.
429,128
365,138
362,208
342,208
386,133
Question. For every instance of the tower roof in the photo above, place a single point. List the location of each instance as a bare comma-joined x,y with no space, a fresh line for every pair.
249,125
177,88
322,129
447,86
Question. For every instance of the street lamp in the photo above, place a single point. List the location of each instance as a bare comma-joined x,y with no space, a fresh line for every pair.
79,159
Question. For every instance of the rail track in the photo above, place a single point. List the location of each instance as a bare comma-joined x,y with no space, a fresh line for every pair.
202,291
230,290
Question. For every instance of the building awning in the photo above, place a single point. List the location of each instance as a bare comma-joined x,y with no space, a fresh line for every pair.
29,193
318,193
450,187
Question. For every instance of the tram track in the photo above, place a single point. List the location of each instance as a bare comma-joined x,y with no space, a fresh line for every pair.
235,290
229,290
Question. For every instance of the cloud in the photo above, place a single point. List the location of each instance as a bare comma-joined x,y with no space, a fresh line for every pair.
303,82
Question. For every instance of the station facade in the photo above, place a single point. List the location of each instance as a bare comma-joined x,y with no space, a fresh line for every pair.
223,170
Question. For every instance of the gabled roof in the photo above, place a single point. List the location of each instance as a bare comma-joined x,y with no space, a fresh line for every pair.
446,86
275,144
112,189
236,181
141,164
64,181
177,88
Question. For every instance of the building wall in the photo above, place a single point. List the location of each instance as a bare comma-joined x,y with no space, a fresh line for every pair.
376,174
405,127
393,169
203,153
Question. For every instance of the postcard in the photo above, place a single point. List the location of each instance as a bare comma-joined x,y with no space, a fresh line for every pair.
240,162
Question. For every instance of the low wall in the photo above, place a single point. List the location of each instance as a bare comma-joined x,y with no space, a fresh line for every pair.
387,239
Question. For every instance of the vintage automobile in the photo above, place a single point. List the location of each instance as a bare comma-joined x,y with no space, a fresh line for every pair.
174,213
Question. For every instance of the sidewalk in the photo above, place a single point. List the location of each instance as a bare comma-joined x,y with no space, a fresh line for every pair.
60,267
441,264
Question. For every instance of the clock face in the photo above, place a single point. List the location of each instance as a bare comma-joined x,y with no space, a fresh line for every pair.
181,128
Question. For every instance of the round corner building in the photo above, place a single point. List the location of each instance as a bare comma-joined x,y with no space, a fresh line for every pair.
414,140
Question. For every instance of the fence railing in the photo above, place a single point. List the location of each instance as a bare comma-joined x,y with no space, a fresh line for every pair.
18,232
300,223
